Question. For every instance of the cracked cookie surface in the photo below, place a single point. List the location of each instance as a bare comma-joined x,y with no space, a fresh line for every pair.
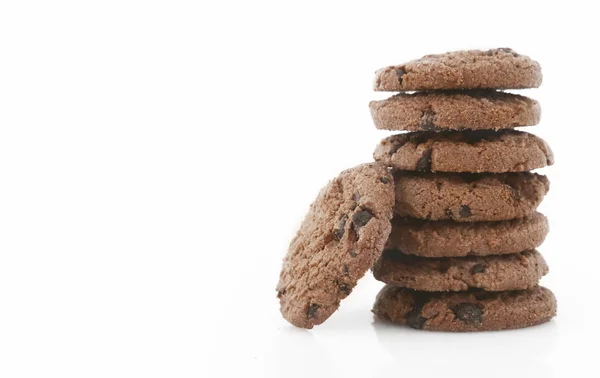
466,311
340,238
455,239
501,68
466,197
465,151
517,271
454,110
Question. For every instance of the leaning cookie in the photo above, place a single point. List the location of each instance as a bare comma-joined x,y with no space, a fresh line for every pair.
493,69
469,197
465,311
517,271
454,110
455,239
465,151
342,235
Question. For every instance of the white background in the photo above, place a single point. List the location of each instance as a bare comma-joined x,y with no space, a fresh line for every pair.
156,157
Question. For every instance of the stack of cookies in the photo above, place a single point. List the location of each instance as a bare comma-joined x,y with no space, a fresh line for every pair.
446,216
461,254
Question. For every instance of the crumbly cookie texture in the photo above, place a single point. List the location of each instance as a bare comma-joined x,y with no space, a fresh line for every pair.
465,151
517,271
454,110
473,69
465,311
455,239
469,197
342,235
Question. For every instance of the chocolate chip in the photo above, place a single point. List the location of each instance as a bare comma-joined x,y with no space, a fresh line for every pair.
478,268
361,218
469,312
508,51
444,266
340,227
427,121
395,146
281,292
400,72
516,193
414,318
345,270
384,180
353,254
312,309
465,211
424,163
344,289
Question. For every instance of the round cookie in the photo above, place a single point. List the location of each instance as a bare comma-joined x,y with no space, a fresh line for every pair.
454,239
465,151
468,311
469,197
340,238
517,271
456,110
472,69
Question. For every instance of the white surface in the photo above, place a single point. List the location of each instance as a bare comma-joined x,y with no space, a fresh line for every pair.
157,157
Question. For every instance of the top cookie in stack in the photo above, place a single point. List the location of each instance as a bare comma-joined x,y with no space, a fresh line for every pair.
461,249
473,69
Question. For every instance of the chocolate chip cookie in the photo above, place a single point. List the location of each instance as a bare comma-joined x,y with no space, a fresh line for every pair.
454,110
467,311
342,235
465,151
495,69
466,197
454,239
517,271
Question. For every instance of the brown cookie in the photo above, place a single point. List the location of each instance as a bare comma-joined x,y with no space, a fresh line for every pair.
454,110
517,271
468,311
465,151
342,235
493,69
469,197
454,239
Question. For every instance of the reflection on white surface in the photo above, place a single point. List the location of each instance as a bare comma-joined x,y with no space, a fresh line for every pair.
344,347
524,351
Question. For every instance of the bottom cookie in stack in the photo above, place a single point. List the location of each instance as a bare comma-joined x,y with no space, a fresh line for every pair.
465,311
